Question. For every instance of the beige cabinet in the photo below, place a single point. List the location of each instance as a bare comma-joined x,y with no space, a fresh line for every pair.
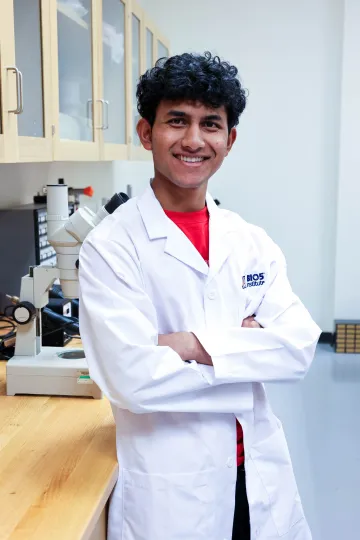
145,39
75,75
25,117
137,61
69,70
156,45
114,72
7,123
162,48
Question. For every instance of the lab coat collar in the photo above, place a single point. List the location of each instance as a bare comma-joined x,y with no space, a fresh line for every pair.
153,216
158,225
223,234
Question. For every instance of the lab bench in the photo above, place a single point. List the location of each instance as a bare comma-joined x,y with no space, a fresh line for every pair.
58,466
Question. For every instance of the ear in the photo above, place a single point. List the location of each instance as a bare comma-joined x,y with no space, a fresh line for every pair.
144,131
231,139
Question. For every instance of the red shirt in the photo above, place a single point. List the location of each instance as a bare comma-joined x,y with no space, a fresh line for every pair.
195,225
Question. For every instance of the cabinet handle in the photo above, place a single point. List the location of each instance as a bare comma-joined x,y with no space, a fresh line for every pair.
19,90
88,115
105,104
89,110
106,126
102,113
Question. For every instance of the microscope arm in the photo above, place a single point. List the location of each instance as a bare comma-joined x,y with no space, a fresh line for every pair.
65,234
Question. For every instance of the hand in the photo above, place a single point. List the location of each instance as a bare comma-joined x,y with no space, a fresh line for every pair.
181,342
250,322
202,357
187,346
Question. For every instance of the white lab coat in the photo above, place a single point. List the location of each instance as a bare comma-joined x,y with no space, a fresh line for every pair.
175,421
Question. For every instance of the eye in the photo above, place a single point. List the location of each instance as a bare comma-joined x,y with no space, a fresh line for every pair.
211,125
177,122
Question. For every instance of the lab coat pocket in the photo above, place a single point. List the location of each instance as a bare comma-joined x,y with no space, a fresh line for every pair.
272,461
169,506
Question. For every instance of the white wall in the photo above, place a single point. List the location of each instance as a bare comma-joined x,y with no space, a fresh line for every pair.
282,173
347,284
20,182
136,174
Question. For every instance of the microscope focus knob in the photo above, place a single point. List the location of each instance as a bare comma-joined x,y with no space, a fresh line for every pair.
24,312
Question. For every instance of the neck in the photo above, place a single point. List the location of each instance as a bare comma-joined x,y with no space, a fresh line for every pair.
179,199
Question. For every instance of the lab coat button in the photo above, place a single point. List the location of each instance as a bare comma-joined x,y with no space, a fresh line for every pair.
212,295
230,462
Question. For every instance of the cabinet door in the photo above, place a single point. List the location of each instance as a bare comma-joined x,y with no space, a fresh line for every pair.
114,42
156,45
162,47
138,66
32,59
8,151
150,44
76,105
26,118
2,137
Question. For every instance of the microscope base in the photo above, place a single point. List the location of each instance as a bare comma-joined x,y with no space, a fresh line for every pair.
54,372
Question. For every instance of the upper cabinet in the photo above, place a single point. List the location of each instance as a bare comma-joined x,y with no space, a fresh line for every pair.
75,76
69,70
150,41
5,126
137,67
156,45
26,117
162,47
145,39
114,65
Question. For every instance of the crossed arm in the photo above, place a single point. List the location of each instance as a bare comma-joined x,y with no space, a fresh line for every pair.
120,335
188,347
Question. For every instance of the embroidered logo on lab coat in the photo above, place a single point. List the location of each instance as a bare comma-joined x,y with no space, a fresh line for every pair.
253,280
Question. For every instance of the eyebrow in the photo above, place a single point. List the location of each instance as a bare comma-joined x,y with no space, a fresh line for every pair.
208,117
180,114
216,117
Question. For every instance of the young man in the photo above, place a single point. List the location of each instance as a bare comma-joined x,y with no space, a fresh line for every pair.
186,310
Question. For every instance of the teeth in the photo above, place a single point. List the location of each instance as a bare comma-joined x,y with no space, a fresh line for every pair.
191,159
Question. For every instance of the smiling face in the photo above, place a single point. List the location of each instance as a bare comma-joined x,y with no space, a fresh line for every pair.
189,142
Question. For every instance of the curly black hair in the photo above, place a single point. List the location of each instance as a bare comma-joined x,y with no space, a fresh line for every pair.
192,77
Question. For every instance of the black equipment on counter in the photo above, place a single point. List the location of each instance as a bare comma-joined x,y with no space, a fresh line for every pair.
23,232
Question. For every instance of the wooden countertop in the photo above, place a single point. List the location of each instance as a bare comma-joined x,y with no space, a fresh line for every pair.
57,465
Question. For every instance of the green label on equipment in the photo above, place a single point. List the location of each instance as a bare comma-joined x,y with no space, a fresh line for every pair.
84,379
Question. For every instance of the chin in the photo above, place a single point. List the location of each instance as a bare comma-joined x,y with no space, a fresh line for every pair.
188,183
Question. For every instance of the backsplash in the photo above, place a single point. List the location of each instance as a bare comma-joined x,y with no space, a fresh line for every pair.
19,182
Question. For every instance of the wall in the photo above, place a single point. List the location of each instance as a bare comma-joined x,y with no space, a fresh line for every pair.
19,182
347,284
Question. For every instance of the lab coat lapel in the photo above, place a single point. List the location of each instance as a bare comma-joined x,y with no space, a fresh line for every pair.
222,237
180,247
158,225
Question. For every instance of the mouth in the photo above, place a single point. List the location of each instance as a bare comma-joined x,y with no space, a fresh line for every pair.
191,161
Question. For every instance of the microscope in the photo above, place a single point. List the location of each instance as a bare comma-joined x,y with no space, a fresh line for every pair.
54,371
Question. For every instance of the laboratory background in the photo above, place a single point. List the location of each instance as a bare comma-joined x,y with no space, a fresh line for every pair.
68,76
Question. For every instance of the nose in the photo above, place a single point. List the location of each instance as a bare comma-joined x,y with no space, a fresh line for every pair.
193,139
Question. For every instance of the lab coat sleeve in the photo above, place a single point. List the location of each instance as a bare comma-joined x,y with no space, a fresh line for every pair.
282,350
118,325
